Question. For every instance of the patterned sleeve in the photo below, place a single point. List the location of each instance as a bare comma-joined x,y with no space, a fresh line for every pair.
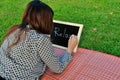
48,56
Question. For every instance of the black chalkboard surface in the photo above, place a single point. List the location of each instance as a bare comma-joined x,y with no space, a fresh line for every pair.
62,31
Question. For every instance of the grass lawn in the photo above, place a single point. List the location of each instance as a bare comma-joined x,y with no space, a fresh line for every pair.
101,20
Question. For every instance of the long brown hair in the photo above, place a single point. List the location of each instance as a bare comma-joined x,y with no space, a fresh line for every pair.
37,14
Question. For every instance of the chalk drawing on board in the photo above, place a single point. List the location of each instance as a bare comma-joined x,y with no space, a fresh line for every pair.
62,31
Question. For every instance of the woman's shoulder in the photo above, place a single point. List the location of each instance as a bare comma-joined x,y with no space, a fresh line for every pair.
35,35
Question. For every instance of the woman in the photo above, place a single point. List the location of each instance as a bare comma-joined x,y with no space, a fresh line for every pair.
26,50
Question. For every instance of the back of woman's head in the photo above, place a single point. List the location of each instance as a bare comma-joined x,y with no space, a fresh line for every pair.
39,16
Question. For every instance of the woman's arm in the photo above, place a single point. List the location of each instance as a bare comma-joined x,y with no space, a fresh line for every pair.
48,56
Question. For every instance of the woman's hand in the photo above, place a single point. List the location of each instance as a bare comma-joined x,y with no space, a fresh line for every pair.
72,43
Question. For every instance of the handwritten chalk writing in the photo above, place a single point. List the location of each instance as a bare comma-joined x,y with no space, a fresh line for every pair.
61,33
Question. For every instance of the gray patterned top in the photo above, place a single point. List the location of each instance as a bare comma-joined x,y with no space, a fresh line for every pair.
28,59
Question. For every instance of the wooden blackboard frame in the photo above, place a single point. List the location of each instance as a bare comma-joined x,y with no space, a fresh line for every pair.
71,24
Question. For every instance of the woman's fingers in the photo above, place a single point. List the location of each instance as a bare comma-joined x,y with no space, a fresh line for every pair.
73,41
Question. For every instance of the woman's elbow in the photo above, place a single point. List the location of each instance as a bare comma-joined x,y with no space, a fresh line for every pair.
58,71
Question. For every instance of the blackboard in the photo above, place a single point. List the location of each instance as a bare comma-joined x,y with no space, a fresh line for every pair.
62,31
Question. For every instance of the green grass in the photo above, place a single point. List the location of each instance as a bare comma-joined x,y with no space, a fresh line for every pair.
101,20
